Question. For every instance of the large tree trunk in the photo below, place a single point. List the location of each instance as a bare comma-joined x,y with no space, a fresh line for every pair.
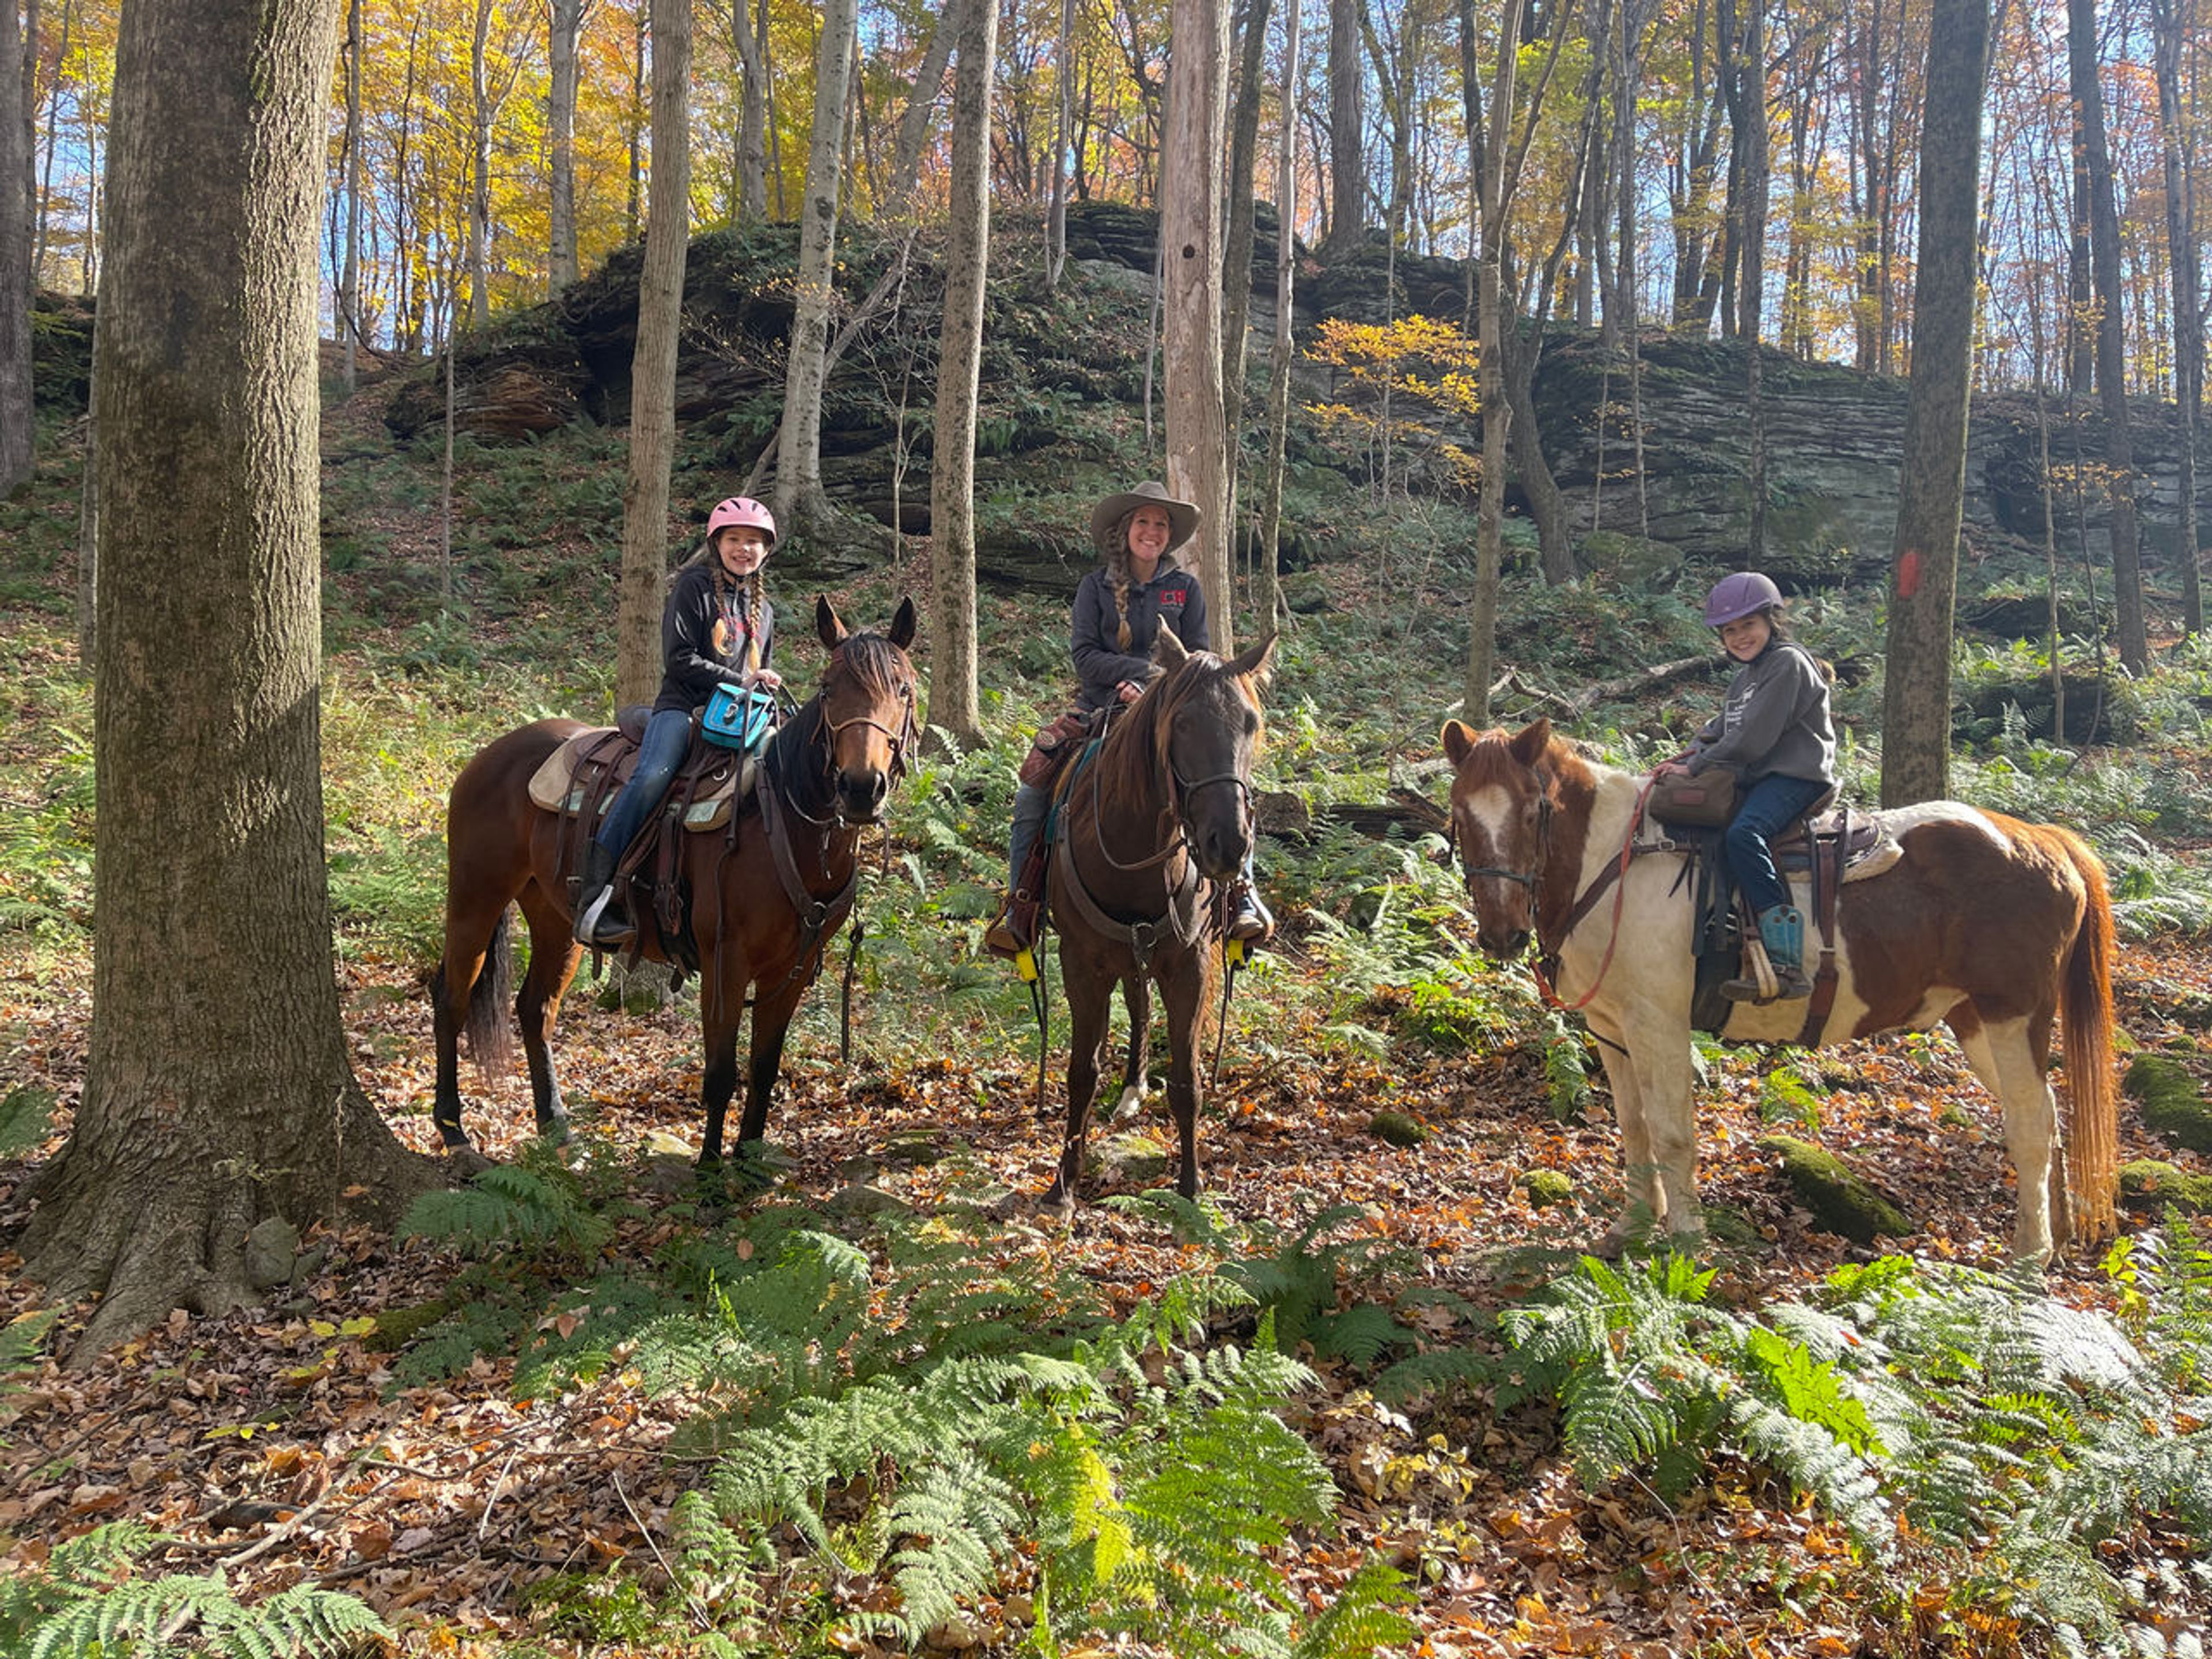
2175,23
1190,249
752,118
1279,364
479,173
2111,346
1347,160
1236,255
799,502
1063,80
14,267
564,26
218,1091
954,703
1750,134
1916,719
653,363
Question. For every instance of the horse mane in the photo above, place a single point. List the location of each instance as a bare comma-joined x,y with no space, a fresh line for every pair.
1132,767
873,659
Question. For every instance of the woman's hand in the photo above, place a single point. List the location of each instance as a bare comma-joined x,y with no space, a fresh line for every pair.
1128,692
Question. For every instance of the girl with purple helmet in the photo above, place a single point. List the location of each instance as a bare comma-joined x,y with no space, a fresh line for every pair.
717,627
1775,733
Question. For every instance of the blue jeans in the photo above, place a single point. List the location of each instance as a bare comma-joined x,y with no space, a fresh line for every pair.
667,738
1770,807
1030,806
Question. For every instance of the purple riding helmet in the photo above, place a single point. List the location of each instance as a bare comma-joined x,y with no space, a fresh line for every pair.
1738,596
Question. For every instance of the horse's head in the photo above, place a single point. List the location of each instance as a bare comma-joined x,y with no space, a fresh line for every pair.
866,699
1205,727
1502,802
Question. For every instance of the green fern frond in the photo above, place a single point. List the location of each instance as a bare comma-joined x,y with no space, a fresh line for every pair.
961,1520
1362,1334
1369,1613
508,1206
1431,1373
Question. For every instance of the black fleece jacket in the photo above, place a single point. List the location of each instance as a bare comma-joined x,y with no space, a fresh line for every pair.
1173,595
691,665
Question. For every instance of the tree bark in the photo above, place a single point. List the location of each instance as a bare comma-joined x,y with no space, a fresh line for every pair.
752,119
15,410
954,702
2174,23
1490,176
1750,132
564,27
217,1091
1347,160
1237,254
1916,720
2112,345
921,102
349,309
799,501
1279,364
653,364
1190,249
479,173
1063,78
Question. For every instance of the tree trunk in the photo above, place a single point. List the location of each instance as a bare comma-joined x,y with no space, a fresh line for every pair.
954,703
1916,720
2111,346
88,525
653,363
1279,363
1190,252
479,173
1490,175
1063,79
564,27
218,1090
1347,160
1750,132
2175,25
1237,254
43,196
15,411
800,502
751,158
921,102
349,318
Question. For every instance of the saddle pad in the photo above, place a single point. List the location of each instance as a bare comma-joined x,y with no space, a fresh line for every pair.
553,787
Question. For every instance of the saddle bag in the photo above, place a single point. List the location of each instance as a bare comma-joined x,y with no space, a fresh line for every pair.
739,717
1050,749
1707,799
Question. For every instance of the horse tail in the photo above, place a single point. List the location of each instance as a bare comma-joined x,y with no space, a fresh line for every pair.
485,1028
2091,1137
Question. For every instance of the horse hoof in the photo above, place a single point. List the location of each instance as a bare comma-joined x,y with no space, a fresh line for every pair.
1058,1205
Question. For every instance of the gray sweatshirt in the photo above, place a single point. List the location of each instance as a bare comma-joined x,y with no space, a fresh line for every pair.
1775,720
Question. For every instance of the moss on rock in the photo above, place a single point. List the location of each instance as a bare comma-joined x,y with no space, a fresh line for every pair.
1546,1187
1397,1129
2150,1183
1841,1200
2173,1106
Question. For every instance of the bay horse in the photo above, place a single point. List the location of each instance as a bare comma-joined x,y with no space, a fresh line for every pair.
767,896
1161,811
1990,926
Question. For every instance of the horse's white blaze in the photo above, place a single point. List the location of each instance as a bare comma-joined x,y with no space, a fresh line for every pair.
1489,810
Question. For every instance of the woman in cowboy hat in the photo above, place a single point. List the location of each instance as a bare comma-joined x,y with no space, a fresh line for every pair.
1119,608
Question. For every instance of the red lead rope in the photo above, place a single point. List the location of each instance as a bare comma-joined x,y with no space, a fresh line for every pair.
1619,898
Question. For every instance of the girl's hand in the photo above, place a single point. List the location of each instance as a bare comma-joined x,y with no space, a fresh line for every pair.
1668,768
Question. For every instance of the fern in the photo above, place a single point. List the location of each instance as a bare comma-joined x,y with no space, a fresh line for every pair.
86,1604
508,1206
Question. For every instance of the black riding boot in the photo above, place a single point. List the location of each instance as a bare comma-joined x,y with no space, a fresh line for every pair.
601,920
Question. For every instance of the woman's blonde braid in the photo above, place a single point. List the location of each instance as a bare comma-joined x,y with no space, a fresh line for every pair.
1117,572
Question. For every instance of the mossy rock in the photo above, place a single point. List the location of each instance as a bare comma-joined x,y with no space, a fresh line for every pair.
1841,1200
1398,1129
2148,1183
1546,1187
397,1326
2173,1106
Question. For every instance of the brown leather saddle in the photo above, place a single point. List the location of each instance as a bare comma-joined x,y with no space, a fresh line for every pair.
705,793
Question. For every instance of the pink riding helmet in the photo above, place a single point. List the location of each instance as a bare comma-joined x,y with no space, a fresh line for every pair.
1738,596
741,510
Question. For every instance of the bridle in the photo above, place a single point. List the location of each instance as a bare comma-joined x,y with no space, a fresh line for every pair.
1527,877
1179,796
901,745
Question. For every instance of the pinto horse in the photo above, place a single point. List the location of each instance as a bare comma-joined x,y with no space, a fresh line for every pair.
1988,925
1163,809
766,897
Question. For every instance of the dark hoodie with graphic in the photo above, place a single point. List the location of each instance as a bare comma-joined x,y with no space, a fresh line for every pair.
1173,596
1776,721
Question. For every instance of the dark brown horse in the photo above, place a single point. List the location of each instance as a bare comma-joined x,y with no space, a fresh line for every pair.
1152,832
767,896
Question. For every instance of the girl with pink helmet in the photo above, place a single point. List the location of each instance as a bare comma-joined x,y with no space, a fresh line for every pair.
716,629
1775,733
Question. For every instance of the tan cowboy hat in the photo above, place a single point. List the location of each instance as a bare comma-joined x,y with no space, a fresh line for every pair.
1182,516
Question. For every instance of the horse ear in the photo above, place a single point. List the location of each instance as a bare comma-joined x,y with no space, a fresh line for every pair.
1458,741
827,623
902,625
1167,650
1530,741
1256,660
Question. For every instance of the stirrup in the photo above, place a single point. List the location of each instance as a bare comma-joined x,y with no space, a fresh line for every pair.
598,930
